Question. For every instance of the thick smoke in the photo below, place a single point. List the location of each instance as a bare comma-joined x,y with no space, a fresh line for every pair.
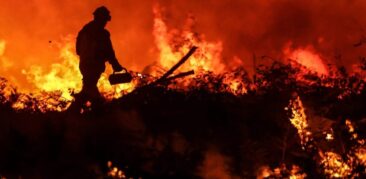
32,28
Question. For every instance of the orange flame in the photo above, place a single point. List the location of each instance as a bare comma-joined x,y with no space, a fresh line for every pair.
62,77
299,121
294,173
361,155
174,44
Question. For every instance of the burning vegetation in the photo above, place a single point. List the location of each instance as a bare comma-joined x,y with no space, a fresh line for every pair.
190,114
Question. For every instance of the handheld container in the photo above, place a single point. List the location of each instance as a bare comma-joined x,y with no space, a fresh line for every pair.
118,78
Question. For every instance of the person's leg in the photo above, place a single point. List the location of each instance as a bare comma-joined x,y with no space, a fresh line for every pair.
88,92
91,90
81,97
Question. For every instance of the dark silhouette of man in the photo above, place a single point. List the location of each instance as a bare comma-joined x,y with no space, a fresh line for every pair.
94,47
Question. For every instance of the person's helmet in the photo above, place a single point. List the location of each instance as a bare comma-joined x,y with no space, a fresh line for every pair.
102,13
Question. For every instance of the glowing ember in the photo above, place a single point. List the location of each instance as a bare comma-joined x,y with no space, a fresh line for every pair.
115,172
264,172
350,127
295,172
334,166
6,90
329,136
41,102
236,85
361,156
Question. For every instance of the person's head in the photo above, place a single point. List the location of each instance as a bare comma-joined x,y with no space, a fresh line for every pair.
101,15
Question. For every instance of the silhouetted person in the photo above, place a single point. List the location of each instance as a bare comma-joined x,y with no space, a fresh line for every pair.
94,47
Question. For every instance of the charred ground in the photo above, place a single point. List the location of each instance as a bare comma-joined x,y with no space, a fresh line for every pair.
199,132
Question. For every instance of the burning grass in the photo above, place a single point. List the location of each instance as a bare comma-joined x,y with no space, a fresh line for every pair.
281,123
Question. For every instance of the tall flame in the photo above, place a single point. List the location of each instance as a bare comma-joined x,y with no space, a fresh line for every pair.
174,44
62,77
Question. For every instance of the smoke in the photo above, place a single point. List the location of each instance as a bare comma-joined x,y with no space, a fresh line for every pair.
31,29
265,27
215,165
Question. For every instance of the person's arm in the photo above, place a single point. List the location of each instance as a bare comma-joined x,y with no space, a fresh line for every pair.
111,57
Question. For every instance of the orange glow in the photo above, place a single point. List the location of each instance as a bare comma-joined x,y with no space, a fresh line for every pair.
329,136
236,85
215,165
361,155
115,172
350,127
4,62
308,58
293,173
